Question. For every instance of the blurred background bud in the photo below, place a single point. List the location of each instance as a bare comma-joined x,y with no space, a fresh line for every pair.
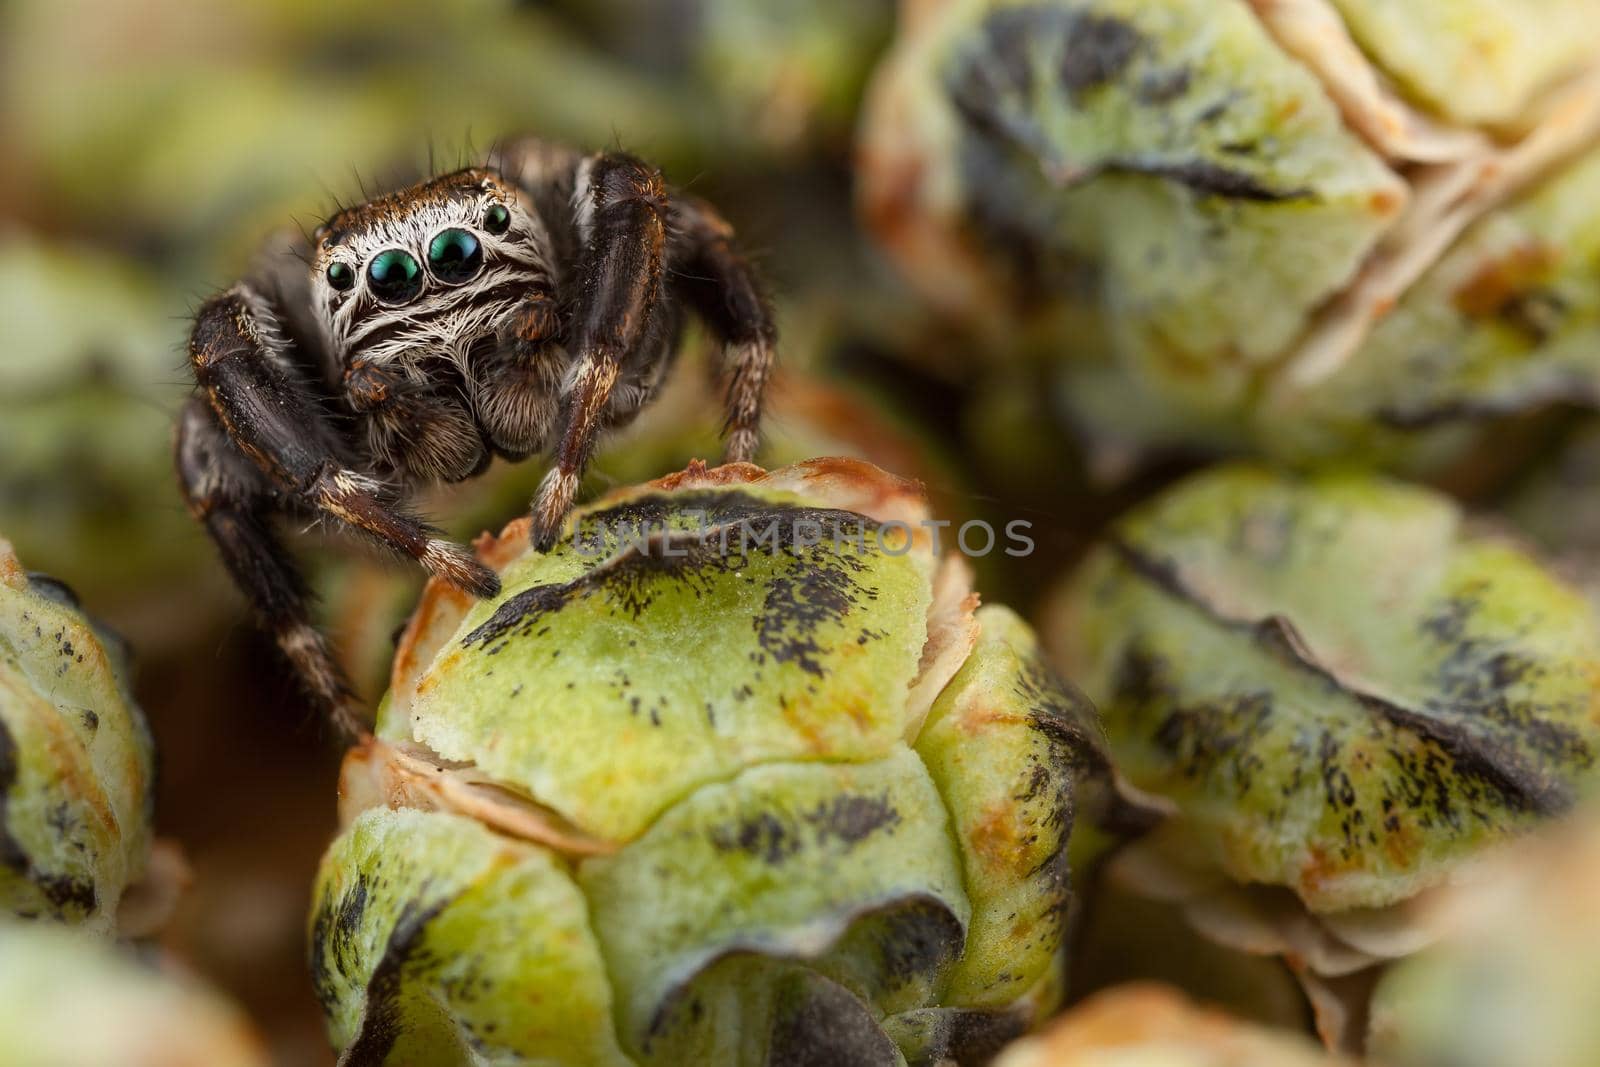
75,758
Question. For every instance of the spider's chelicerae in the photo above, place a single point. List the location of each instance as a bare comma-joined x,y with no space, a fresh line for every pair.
524,305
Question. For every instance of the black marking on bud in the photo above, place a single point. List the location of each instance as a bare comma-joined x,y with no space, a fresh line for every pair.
12,854
995,88
852,818
1092,50
907,943
1097,49
1205,178
795,606
54,589
848,818
763,835
905,940
334,947
1159,88
1072,751
730,527
381,1022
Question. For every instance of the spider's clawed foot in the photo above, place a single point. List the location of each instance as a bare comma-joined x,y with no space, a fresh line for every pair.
550,508
457,565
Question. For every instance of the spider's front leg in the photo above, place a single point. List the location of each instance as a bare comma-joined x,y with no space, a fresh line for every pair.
235,504
624,211
243,366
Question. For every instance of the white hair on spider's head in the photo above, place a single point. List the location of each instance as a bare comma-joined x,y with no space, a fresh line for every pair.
441,317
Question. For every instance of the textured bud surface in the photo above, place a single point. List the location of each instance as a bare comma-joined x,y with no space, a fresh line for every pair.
737,769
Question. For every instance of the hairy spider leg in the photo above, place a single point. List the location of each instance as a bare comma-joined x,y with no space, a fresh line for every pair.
239,359
518,382
235,503
623,207
722,287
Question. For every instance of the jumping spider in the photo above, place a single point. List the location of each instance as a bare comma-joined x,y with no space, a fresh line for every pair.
530,303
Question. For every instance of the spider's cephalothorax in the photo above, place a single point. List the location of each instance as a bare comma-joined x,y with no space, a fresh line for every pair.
500,310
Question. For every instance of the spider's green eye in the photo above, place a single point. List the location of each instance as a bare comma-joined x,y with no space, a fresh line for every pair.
497,219
454,255
395,276
341,276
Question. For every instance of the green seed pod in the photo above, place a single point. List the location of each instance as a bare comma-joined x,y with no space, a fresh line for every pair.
1219,222
757,780
69,999
1344,696
1514,980
75,759
1151,1026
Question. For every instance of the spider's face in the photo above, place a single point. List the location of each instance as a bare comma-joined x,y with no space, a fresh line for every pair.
429,270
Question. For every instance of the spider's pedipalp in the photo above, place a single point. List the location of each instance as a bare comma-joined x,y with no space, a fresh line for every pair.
414,425
516,384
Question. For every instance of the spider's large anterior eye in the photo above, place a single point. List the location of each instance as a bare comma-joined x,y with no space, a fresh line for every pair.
394,276
454,256
341,276
497,219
